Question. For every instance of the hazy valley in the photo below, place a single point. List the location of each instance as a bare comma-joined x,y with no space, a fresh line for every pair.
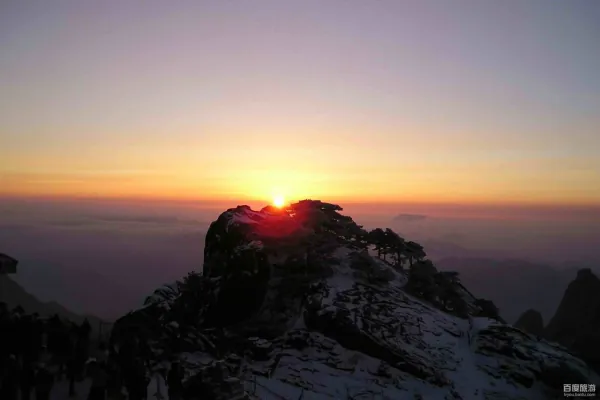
104,258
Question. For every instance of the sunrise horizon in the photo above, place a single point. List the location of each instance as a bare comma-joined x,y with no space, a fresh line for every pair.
209,105
378,208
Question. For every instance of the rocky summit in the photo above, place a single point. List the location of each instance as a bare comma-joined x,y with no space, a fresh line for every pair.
576,323
531,321
303,303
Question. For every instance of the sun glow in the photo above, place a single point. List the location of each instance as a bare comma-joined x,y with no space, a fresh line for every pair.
278,201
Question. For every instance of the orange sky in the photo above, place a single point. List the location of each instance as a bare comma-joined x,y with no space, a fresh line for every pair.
247,102
246,172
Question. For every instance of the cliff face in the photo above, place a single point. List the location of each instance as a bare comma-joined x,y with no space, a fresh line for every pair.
294,303
531,321
576,323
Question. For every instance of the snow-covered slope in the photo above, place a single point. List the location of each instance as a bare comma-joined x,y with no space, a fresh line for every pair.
293,305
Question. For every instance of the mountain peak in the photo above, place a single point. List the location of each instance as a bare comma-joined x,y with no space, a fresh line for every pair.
531,321
576,323
586,274
315,304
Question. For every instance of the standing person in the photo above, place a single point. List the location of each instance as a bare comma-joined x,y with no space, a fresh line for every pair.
70,353
99,381
71,375
9,384
115,381
137,384
44,380
102,353
27,380
174,381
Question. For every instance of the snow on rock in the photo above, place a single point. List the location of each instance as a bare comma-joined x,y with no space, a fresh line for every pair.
301,309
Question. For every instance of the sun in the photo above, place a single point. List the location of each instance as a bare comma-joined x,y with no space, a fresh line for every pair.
278,201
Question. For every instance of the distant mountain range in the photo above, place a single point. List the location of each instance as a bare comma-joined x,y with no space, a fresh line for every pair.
576,323
513,285
101,274
13,295
82,290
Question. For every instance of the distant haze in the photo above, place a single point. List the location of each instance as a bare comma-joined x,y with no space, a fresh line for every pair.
104,257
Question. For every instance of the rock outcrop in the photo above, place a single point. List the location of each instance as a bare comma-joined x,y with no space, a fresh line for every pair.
296,303
576,323
8,265
531,321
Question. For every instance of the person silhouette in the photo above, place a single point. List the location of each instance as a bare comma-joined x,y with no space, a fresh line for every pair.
174,381
44,381
99,381
9,387
27,380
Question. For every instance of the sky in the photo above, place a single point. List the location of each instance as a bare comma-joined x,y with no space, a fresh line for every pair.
468,102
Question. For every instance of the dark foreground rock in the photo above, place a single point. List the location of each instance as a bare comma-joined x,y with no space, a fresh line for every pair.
304,303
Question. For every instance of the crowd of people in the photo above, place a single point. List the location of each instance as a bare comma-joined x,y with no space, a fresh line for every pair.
37,353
